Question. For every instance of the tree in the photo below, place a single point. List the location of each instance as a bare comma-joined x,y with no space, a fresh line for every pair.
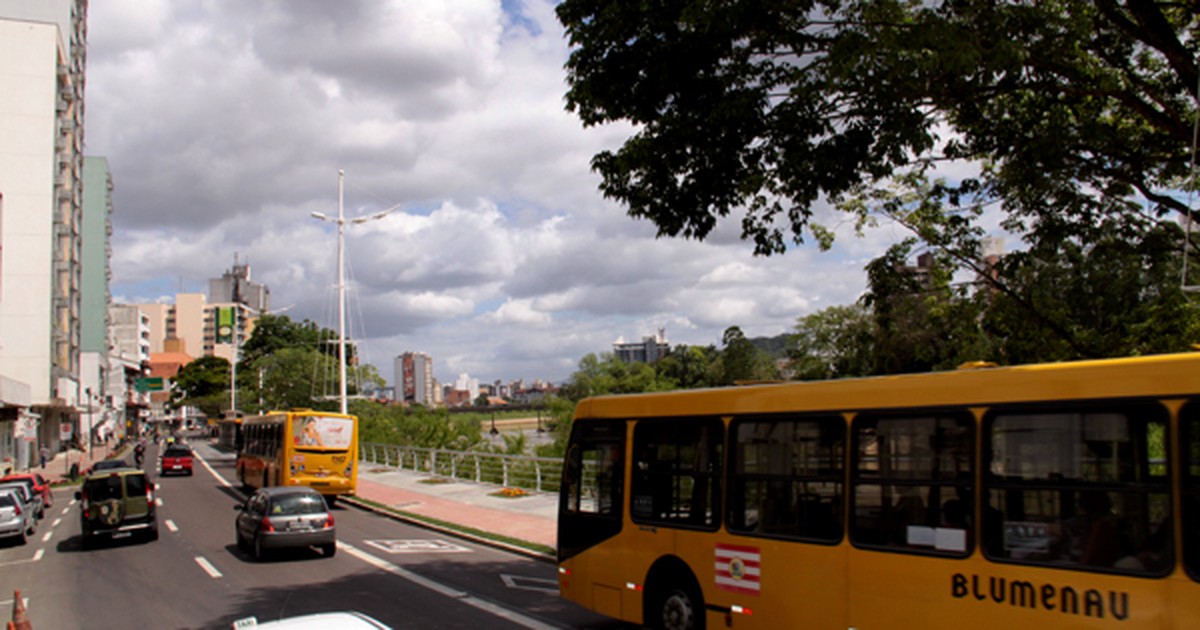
1070,110
283,379
740,360
1114,296
608,374
275,332
203,383
688,367
836,342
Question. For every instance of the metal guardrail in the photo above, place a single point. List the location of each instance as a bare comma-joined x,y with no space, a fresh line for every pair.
537,474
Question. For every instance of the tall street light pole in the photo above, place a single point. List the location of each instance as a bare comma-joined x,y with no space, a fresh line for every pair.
341,271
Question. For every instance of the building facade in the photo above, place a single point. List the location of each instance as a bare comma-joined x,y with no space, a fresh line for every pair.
648,350
43,55
236,287
414,378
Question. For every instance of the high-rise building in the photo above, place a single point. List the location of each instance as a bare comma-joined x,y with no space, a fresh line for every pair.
235,287
648,350
42,69
414,378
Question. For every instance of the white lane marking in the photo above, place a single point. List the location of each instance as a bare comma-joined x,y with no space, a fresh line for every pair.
526,583
38,554
208,567
213,472
56,522
171,525
438,587
46,537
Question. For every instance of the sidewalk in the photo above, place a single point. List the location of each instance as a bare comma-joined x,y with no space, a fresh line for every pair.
531,518
59,467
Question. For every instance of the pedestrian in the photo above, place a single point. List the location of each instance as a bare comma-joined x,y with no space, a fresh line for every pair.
45,452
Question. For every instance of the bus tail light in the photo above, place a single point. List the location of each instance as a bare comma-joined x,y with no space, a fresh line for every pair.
633,587
741,610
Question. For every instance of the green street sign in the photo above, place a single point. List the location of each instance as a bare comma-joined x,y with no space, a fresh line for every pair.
149,384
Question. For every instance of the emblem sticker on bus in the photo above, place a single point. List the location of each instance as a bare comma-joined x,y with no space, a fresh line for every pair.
737,568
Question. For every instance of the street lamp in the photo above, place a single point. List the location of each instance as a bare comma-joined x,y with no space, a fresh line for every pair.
87,439
341,270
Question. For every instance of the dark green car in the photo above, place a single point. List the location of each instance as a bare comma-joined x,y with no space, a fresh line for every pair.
115,504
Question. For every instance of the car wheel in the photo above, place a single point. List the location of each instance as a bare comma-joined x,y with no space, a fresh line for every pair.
22,538
329,550
259,552
152,535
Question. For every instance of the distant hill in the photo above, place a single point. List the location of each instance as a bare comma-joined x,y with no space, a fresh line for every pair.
775,346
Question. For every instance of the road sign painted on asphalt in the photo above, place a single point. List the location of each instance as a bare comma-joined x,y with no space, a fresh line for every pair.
417,546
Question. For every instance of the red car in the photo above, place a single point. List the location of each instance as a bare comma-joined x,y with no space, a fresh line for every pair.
40,485
176,459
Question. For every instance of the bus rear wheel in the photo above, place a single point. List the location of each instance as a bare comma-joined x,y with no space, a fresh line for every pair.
678,606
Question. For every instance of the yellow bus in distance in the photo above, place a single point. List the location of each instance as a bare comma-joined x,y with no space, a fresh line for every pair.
1043,496
301,447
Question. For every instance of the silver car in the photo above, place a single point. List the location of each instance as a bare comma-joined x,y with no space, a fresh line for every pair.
16,519
29,495
285,516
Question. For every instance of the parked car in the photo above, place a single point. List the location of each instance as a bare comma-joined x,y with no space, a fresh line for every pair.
176,459
29,494
107,464
117,503
285,516
16,519
40,484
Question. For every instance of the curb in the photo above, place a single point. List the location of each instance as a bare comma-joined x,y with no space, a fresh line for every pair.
450,531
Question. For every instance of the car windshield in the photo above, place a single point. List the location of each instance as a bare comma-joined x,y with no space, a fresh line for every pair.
177,452
110,463
293,504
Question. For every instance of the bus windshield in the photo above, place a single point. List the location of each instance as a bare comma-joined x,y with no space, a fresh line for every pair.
322,431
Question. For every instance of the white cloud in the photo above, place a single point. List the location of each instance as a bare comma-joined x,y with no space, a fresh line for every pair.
225,124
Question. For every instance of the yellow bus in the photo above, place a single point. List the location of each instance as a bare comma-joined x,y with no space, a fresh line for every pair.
300,447
1043,496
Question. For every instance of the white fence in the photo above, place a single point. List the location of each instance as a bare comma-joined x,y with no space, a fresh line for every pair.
537,474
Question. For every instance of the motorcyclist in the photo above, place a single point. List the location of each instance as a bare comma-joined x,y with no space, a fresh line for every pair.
139,453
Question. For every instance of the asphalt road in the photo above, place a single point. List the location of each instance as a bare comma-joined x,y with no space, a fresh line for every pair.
195,577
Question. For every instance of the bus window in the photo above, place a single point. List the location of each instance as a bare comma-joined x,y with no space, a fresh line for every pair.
1080,488
912,482
676,472
787,476
1189,424
590,501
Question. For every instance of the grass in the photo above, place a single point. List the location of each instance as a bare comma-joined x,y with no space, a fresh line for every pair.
455,527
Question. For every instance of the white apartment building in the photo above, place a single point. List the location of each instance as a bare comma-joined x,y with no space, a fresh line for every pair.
43,48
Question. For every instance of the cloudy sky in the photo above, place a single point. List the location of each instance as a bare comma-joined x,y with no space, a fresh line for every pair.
225,124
